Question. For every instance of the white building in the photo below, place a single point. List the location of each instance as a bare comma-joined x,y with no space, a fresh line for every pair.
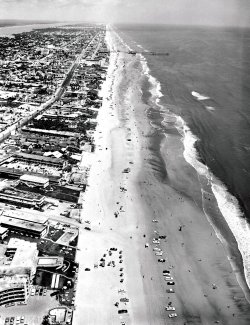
17,271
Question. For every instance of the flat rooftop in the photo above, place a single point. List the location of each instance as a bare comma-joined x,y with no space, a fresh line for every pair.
34,179
27,215
13,192
24,258
21,223
50,261
3,230
54,132
14,281
26,253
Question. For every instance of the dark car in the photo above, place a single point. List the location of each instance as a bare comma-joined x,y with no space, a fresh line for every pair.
161,260
54,293
126,170
87,228
170,283
87,269
122,311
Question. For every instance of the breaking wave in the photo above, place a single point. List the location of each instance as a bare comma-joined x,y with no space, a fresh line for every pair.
227,203
199,96
155,88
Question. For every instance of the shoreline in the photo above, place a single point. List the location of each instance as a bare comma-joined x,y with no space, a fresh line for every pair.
200,192
224,214
123,138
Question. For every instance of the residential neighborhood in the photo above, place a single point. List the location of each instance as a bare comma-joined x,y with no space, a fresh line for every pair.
49,100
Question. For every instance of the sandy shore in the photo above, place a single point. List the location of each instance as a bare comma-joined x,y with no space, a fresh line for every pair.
121,207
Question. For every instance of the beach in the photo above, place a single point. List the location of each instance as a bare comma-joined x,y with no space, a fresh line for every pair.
130,200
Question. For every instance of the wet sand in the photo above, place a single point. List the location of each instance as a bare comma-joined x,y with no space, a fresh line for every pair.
121,207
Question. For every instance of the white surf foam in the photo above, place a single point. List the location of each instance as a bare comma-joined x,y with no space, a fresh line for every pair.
141,47
229,208
155,88
227,203
199,96
121,40
210,108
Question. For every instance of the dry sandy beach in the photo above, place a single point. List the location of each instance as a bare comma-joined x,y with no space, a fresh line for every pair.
121,207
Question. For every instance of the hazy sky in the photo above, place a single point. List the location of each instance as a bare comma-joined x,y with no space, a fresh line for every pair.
202,12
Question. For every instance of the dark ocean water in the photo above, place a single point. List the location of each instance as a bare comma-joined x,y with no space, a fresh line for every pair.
214,62
204,78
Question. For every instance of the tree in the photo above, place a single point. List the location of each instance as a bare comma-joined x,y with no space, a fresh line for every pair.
45,320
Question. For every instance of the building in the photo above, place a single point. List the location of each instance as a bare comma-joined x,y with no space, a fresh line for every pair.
24,255
3,232
25,157
14,288
18,197
23,226
17,271
34,181
50,261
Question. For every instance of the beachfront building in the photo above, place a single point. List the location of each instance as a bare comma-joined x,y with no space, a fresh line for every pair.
23,198
34,181
3,232
17,270
14,288
23,224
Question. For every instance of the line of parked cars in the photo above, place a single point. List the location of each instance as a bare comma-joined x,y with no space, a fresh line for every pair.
166,273
35,291
14,320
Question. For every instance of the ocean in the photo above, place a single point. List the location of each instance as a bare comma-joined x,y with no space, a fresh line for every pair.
9,31
199,87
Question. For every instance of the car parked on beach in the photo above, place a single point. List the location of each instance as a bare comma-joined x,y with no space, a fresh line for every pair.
169,278
158,253
157,249
156,242
161,260
172,315
170,290
122,311
170,308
